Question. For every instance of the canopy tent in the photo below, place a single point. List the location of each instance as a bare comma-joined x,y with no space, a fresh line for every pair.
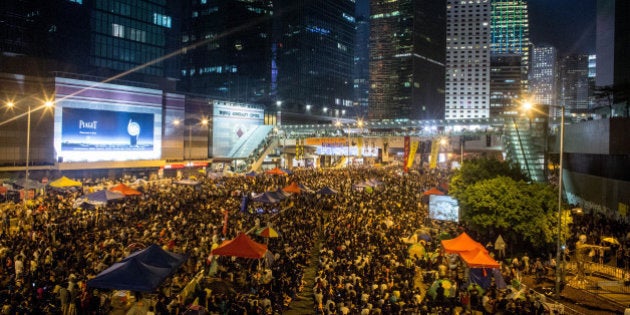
461,243
126,190
133,275
293,188
241,246
155,256
265,197
478,259
65,182
275,171
433,191
141,271
101,197
326,191
251,174
32,184
281,194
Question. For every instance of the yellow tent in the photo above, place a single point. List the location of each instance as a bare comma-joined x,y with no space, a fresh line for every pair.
65,182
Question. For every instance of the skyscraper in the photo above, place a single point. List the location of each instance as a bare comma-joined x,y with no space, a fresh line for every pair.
542,76
573,82
468,42
100,37
510,31
313,45
361,74
407,59
505,82
230,55
613,42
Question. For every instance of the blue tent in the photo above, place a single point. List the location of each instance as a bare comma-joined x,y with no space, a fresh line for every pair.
155,256
142,271
101,197
327,191
132,275
251,174
266,197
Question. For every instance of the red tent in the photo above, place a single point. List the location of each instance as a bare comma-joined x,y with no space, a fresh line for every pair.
126,190
433,191
241,246
478,258
275,171
462,243
294,188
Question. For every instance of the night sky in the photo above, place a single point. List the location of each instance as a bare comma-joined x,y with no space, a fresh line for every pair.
569,25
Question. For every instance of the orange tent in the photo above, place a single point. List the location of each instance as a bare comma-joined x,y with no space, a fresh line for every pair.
276,171
294,188
478,258
241,246
126,190
433,191
462,243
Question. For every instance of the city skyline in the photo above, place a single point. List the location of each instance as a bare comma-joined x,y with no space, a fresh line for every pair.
574,28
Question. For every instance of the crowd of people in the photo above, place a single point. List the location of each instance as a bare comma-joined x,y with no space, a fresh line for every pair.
352,241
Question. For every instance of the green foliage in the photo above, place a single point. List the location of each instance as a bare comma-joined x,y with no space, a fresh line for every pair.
480,169
495,199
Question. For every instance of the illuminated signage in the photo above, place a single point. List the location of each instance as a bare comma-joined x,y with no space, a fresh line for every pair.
100,130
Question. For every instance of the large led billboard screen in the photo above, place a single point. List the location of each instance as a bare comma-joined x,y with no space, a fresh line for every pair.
102,135
444,208
100,130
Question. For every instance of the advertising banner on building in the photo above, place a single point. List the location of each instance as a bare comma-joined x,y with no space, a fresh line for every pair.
101,130
231,124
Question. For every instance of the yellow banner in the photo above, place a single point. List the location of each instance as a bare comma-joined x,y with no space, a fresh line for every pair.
322,141
435,149
412,153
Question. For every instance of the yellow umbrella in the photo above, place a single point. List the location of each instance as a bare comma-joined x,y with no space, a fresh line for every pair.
416,250
267,232
611,240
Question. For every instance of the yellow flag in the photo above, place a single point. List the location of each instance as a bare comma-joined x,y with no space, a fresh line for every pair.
435,149
412,153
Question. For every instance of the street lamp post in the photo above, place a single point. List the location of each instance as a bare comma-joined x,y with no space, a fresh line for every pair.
559,270
28,151
559,267
10,104
190,123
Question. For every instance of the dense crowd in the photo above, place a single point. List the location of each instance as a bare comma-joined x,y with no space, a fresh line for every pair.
353,240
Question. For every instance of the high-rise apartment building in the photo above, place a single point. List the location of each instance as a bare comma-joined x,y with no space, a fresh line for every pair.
468,41
573,82
542,75
510,31
407,59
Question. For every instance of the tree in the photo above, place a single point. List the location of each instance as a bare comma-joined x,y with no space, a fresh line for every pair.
495,199
483,168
